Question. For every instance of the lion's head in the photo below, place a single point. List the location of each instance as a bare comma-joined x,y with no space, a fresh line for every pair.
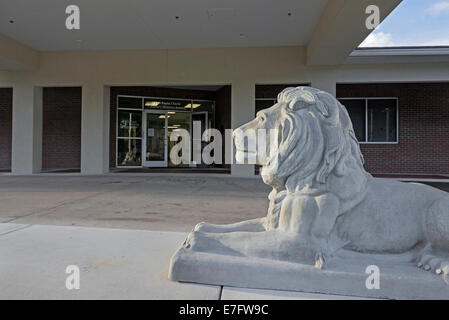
312,139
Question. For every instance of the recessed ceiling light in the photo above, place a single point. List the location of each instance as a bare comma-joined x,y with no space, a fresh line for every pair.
152,103
192,105
78,40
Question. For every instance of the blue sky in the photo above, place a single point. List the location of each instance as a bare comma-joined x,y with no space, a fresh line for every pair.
413,23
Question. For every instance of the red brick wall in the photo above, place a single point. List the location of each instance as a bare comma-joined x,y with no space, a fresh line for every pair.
423,146
61,135
5,128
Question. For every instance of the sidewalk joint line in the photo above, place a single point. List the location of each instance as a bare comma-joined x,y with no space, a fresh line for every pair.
11,231
53,207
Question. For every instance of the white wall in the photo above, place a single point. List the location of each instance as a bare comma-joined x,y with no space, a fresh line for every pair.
242,111
95,128
26,129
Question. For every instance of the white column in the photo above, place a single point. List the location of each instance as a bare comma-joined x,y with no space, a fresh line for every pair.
326,84
95,129
26,129
242,111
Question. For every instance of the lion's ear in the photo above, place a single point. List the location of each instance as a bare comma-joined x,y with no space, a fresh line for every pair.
326,101
303,99
322,108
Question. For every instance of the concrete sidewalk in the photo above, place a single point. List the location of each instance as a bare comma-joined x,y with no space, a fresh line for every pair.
113,264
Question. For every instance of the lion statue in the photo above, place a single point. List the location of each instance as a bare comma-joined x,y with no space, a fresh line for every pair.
323,200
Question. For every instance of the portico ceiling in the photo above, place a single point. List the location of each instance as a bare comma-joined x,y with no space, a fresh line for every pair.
329,29
151,24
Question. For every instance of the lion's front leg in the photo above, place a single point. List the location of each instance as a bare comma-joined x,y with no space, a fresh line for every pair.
253,225
311,217
273,245
328,212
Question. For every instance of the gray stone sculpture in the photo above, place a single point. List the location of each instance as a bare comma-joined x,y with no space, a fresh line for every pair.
323,207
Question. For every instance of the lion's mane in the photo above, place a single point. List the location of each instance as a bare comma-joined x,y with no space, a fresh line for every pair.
316,139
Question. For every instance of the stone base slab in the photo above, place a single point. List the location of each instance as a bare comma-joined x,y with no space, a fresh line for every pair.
344,275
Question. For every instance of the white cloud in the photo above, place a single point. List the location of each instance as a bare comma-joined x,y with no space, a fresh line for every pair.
378,39
438,8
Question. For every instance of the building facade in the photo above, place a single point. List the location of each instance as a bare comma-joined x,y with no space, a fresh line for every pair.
96,111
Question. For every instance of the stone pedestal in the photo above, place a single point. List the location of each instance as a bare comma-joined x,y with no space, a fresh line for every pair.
345,275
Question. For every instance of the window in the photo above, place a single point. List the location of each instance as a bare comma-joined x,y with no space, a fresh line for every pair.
264,103
129,103
356,110
375,120
129,138
382,120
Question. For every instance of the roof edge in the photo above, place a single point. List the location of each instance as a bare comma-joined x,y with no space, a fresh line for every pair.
400,51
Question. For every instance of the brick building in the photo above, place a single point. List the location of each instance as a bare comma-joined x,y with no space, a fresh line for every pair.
98,100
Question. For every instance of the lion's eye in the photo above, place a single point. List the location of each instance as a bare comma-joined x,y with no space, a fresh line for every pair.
262,118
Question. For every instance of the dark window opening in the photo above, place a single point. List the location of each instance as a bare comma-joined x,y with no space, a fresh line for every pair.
373,119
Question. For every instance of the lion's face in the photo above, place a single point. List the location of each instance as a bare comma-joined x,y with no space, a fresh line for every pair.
257,139
300,140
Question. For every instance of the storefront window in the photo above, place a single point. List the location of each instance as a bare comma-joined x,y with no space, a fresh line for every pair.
129,131
177,120
129,103
166,104
129,124
129,152
147,129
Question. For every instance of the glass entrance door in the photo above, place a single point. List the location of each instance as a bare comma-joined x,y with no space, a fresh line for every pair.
155,144
199,123
177,120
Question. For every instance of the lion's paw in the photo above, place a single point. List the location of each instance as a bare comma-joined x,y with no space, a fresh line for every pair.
321,252
428,260
194,240
320,261
200,226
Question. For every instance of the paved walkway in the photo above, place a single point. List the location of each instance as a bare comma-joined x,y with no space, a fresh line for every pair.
131,201
113,264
